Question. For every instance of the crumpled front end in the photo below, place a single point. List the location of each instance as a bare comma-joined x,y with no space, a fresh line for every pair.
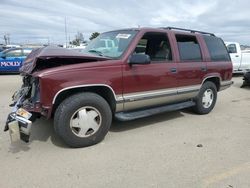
40,63
26,104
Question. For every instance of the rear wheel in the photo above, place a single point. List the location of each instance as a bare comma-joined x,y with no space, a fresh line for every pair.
206,98
83,119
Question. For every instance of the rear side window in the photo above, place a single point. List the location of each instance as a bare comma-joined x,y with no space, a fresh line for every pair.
189,48
216,48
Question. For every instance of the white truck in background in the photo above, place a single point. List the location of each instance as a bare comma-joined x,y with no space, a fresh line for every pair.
240,58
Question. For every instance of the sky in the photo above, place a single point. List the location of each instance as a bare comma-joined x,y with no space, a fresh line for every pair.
40,21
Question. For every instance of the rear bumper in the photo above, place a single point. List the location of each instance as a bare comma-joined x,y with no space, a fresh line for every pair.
225,84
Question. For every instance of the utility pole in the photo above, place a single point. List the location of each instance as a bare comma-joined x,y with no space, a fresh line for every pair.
48,41
65,25
6,38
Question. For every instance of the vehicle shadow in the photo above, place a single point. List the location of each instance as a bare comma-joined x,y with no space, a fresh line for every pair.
43,130
9,73
238,74
240,84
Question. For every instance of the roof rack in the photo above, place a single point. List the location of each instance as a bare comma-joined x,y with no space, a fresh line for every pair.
189,30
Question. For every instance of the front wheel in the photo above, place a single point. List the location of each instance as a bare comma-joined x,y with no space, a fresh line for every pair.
206,98
83,119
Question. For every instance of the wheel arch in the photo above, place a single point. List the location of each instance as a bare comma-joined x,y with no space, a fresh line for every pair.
103,90
215,79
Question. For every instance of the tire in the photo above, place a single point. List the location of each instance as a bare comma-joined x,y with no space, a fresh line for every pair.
83,119
206,99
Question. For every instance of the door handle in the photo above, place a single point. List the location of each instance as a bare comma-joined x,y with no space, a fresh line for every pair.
173,70
236,55
204,69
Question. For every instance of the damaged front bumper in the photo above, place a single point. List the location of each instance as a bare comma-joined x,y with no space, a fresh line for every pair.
18,122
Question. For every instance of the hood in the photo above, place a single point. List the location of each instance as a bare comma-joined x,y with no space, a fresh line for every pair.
48,57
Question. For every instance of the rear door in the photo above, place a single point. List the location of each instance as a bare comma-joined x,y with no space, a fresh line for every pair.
191,65
151,84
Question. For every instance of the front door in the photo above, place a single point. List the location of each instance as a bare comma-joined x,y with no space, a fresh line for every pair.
150,84
235,56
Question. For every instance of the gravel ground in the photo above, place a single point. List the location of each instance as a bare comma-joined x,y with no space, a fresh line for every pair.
159,151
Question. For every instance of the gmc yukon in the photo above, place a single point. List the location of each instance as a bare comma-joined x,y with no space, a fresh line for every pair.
147,71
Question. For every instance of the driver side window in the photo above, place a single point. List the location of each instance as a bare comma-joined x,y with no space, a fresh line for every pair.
156,46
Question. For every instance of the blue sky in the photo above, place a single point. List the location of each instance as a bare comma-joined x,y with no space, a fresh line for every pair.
38,21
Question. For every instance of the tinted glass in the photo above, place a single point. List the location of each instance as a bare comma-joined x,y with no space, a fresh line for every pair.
216,48
189,48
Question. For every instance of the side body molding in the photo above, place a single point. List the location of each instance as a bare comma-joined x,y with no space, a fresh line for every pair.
130,101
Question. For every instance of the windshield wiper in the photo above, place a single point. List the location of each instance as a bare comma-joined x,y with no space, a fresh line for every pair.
97,52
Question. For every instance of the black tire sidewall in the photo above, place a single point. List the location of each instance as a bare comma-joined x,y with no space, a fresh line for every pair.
199,108
69,106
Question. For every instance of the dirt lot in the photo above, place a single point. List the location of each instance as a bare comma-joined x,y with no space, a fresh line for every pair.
160,151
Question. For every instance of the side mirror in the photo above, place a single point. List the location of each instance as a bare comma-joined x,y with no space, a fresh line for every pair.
139,59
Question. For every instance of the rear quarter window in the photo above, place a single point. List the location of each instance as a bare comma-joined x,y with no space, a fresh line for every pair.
216,48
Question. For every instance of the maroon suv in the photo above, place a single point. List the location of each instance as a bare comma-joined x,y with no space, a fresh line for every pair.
126,74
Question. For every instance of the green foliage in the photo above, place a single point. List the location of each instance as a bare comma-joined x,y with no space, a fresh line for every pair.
78,39
94,35
75,42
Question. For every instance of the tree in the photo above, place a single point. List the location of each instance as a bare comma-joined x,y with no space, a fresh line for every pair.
78,39
75,42
94,35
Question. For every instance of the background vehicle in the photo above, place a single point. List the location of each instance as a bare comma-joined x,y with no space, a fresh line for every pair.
12,46
246,80
2,47
240,58
12,59
147,71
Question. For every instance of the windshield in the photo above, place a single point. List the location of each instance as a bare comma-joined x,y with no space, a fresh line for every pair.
111,44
